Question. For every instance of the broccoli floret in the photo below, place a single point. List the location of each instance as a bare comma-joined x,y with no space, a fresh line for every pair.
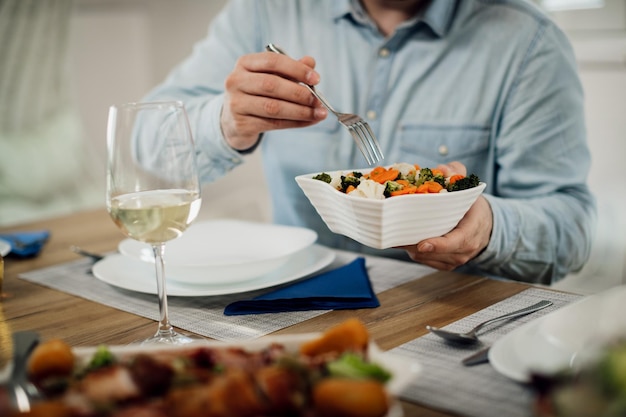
390,187
440,179
357,174
323,177
464,183
347,181
612,370
102,358
410,177
351,365
425,175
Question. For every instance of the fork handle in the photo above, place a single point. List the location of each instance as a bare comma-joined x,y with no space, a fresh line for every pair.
527,310
273,48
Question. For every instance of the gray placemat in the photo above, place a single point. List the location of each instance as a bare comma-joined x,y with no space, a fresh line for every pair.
204,315
477,391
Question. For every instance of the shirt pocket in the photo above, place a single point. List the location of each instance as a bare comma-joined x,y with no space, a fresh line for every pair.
317,147
432,145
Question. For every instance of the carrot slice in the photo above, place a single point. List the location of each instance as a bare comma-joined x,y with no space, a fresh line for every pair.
429,187
374,172
333,397
383,176
436,172
454,178
350,335
433,186
404,191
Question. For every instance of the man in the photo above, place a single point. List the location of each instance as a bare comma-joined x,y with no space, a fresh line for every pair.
481,87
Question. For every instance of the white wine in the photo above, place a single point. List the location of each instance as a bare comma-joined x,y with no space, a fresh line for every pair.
155,216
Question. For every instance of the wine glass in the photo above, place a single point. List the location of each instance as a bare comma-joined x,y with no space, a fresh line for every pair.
153,191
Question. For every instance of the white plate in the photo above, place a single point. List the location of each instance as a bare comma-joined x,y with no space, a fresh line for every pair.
524,351
132,274
565,339
226,251
5,247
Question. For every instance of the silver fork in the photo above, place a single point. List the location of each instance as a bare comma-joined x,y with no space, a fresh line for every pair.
22,392
358,128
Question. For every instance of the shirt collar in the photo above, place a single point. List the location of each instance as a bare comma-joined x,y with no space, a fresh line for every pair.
438,14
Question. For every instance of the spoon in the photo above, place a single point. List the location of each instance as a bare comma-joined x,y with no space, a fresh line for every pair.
23,392
470,336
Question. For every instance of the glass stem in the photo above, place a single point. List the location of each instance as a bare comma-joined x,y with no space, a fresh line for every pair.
165,328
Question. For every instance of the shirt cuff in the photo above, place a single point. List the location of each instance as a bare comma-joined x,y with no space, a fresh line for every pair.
214,155
504,235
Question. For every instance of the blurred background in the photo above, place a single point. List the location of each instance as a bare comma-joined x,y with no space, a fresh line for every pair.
89,54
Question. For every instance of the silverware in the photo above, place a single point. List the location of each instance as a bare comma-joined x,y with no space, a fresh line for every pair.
358,128
23,393
471,337
477,358
95,256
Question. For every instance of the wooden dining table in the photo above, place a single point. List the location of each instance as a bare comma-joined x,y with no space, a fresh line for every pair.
436,299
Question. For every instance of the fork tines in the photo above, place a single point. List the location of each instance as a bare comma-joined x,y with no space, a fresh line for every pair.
366,141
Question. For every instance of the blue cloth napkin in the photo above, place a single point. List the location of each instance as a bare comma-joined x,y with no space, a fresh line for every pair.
26,244
347,287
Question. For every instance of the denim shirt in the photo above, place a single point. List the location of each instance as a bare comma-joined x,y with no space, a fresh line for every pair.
492,84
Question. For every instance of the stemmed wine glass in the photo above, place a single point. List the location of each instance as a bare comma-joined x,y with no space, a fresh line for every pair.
153,191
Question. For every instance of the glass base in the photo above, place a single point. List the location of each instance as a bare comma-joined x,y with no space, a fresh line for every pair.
171,338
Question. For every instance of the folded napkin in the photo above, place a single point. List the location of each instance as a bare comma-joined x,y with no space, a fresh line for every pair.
346,287
26,244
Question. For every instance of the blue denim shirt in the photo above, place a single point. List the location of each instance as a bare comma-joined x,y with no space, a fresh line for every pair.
492,84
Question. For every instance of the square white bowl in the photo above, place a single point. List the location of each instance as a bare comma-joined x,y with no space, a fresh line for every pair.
395,221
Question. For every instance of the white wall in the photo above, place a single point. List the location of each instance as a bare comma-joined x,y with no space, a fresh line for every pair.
122,48
599,40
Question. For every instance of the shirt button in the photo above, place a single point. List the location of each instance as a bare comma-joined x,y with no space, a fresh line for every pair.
443,150
383,53
371,115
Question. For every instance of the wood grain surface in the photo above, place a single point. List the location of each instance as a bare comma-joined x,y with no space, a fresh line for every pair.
437,299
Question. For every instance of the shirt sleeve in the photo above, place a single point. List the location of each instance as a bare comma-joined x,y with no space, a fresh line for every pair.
199,83
543,211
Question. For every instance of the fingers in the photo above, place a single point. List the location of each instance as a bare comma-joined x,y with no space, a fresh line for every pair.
461,244
263,92
451,168
259,89
282,65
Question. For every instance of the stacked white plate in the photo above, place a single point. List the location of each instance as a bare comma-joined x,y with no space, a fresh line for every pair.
217,257
566,339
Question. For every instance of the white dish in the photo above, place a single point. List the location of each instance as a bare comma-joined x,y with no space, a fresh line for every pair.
568,338
5,247
403,369
395,221
135,275
523,351
225,251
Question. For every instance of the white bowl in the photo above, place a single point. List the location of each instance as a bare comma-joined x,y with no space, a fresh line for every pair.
225,250
394,221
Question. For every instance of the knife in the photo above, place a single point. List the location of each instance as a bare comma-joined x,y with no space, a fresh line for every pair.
477,358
